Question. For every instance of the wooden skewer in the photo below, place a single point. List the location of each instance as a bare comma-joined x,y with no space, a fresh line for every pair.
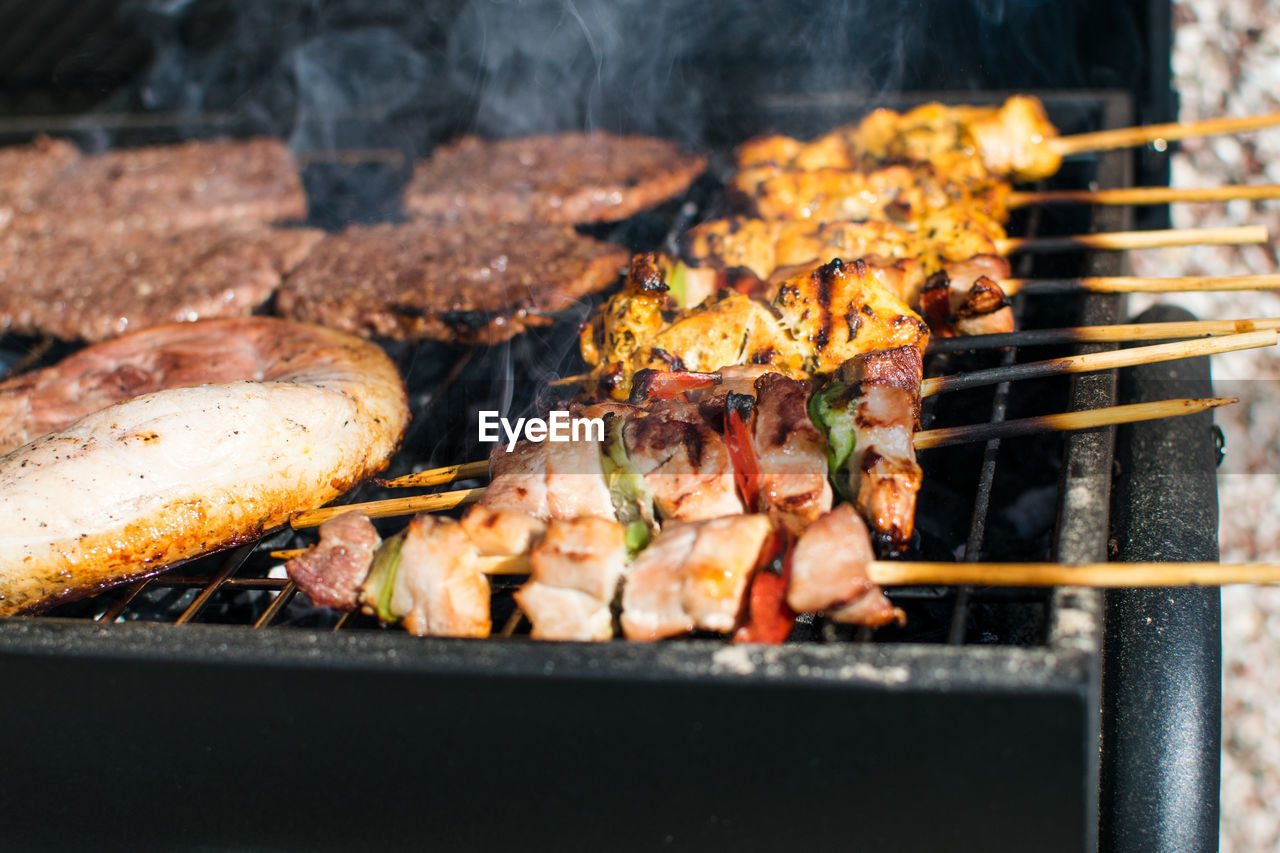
1104,334
892,573
921,573
1238,235
1087,419
1144,195
388,508
1093,361
437,476
1128,137
925,439
514,565
1139,284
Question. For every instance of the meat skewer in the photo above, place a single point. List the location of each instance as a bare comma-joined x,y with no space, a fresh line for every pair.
1086,419
1013,141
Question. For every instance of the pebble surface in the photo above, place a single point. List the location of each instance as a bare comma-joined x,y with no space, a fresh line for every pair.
1226,61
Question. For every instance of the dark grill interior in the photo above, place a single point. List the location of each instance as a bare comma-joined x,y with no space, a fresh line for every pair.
980,502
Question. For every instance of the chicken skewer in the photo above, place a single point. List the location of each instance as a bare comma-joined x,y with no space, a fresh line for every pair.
1014,141
1086,419
735,574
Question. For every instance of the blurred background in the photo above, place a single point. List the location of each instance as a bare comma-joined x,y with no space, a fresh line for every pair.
335,75
1226,61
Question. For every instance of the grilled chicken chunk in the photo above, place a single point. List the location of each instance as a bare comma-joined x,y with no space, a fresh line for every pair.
518,480
839,311
501,533
829,572
1009,141
576,568
899,193
763,247
693,575
548,479
439,590
331,573
684,462
883,468
790,452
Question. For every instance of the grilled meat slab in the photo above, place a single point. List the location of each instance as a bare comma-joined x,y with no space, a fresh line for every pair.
97,286
25,170
130,489
563,178
465,283
170,188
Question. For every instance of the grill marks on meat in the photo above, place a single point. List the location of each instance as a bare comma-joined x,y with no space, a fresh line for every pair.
692,576
576,569
685,464
170,188
883,466
829,572
331,573
790,452
810,303
451,282
563,179
26,170
96,287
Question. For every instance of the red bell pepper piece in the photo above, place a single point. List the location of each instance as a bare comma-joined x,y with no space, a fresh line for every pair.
738,410
650,384
768,619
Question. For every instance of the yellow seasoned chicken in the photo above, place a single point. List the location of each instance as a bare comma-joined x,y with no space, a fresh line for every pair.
815,321
967,143
763,247
903,194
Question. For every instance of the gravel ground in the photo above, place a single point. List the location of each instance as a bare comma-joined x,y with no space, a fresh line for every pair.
1227,62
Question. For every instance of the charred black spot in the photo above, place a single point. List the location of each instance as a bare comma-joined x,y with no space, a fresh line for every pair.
853,322
694,443
672,361
938,280
764,356
867,309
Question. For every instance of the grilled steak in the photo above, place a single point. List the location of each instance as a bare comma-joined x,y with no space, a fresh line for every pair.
171,187
25,170
470,284
96,287
561,178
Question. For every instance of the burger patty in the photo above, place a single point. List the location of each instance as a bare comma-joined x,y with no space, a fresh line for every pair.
172,187
563,178
25,170
96,287
447,281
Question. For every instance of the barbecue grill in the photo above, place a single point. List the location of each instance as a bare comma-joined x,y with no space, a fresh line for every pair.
992,718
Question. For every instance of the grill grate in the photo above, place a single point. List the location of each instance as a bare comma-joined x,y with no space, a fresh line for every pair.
988,485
